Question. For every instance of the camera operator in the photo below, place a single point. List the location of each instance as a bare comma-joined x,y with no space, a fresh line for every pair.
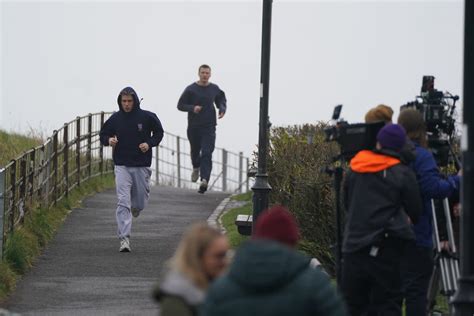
417,262
381,196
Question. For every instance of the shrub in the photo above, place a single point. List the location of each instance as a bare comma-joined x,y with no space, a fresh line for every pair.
297,159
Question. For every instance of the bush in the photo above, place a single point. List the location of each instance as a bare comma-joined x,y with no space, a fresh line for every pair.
297,159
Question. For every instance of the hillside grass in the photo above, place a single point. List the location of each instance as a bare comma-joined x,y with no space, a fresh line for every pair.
13,145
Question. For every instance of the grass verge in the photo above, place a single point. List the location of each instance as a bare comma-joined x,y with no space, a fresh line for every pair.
244,197
228,219
25,244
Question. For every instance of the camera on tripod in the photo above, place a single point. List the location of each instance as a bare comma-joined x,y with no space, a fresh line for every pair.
352,138
437,109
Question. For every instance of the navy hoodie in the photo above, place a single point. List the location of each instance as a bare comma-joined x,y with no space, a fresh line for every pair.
132,129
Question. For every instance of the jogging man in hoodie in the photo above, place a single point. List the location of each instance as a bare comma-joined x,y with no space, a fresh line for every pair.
132,132
198,99
382,199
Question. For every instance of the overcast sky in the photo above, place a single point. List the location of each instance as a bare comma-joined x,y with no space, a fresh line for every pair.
62,59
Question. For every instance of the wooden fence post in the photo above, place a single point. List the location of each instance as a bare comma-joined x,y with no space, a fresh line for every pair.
241,170
43,179
178,161
89,146
66,158
55,166
11,215
31,177
78,150
101,150
23,191
224,170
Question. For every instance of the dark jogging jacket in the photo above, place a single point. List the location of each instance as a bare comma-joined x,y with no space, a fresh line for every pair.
132,129
205,96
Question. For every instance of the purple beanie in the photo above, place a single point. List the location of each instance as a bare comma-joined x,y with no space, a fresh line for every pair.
392,136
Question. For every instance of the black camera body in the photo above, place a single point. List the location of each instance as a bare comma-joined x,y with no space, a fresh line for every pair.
352,138
437,109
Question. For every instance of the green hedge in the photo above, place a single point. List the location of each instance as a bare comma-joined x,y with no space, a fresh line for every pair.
297,159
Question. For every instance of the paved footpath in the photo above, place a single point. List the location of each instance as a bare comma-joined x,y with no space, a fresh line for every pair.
81,271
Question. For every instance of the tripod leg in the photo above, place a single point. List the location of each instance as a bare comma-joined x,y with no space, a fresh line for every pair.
433,287
449,226
453,262
441,261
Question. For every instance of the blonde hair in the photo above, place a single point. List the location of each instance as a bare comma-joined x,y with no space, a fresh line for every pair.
188,257
381,112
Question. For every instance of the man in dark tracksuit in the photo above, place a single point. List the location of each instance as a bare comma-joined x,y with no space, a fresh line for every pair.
132,132
198,100
382,198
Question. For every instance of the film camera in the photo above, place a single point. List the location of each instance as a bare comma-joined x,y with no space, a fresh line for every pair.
352,138
438,112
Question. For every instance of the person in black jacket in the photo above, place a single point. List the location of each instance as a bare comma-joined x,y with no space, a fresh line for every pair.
132,132
382,199
198,100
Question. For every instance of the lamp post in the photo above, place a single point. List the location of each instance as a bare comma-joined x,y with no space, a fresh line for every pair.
262,188
463,301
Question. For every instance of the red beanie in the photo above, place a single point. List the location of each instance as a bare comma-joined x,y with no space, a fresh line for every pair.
277,224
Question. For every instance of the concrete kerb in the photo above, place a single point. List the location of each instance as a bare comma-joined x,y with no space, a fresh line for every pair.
215,219
228,204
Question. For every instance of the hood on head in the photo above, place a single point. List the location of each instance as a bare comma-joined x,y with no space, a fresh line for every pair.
131,91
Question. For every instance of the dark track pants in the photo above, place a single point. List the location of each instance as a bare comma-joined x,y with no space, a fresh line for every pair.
416,269
371,285
202,141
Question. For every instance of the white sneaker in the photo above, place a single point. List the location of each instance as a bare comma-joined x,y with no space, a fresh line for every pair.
135,212
203,186
195,175
125,245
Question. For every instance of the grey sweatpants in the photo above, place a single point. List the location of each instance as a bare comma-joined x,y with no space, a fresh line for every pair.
133,190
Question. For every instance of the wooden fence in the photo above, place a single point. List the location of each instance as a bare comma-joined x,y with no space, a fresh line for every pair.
73,154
